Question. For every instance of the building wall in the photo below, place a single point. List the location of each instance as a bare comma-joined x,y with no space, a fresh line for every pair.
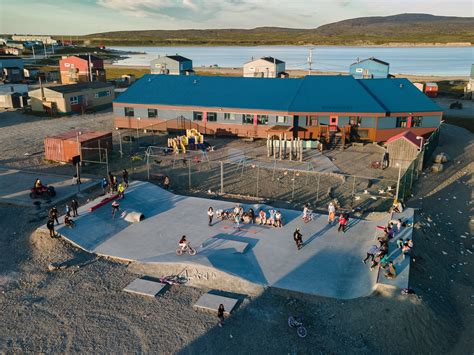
374,69
162,64
86,99
76,70
402,152
262,68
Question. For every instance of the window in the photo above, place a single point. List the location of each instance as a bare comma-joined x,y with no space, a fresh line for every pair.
282,119
247,118
262,119
67,65
229,116
152,112
312,121
129,112
416,121
402,122
197,116
102,94
212,116
74,100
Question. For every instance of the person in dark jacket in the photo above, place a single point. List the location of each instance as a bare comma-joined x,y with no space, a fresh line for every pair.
50,226
74,206
298,238
220,314
53,214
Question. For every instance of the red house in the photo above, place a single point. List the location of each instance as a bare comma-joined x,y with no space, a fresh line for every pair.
81,68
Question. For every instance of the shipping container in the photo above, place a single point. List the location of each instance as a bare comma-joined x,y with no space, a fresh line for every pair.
431,89
63,147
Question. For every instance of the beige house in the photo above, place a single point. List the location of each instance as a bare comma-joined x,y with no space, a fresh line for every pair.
72,98
265,67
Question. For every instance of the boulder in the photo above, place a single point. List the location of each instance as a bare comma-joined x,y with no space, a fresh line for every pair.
441,158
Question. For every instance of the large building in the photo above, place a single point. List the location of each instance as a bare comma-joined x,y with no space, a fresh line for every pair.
71,98
172,65
265,67
81,68
11,68
371,68
312,107
34,38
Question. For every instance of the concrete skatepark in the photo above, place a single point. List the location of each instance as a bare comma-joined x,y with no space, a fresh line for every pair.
328,265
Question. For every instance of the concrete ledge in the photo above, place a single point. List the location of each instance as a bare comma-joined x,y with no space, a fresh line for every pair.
210,303
103,202
145,287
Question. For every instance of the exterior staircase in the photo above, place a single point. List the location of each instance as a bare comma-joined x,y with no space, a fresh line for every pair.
335,142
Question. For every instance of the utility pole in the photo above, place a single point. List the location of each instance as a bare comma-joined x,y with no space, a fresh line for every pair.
310,60
90,68
45,51
33,49
52,48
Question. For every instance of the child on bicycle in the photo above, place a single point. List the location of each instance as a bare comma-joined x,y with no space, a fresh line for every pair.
183,243
306,212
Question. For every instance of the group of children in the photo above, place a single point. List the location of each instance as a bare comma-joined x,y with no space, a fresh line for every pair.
112,185
71,208
239,215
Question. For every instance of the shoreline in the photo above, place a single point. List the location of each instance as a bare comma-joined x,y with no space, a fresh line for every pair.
387,45
295,73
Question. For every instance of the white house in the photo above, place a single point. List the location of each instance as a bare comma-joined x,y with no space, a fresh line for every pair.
265,67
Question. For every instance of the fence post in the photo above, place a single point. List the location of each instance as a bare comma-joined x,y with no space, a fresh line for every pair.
353,188
106,161
258,175
404,183
411,178
148,165
293,190
317,188
222,177
189,174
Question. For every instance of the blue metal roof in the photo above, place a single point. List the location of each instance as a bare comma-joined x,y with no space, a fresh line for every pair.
399,95
309,94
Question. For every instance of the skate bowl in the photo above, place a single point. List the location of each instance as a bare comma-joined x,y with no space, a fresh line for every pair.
245,260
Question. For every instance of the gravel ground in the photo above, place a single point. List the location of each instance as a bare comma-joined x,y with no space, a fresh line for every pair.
84,310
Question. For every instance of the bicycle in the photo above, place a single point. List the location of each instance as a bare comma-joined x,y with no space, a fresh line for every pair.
187,248
173,280
297,322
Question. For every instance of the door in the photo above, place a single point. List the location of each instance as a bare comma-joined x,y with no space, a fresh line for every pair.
333,123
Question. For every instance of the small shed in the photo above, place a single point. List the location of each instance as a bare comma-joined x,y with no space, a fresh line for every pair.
63,147
403,148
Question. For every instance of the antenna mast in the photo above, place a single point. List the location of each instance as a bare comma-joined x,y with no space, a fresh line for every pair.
310,60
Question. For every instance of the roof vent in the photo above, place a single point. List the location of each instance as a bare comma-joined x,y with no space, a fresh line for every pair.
401,86
195,81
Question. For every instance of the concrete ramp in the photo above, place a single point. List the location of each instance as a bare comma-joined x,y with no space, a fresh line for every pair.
145,287
219,243
210,303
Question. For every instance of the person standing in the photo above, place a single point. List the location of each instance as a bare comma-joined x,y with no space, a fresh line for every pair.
104,183
278,222
53,214
50,226
121,191
115,208
74,206
331,213
166,182
210,214
342,222
220,314
125,177
68,210
298,238
237,221
371,252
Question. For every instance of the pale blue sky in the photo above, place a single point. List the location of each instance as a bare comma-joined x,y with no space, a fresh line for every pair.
89,16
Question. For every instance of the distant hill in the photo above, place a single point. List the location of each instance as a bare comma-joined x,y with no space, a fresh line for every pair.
403,28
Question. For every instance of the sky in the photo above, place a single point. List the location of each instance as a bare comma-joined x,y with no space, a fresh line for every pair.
70,17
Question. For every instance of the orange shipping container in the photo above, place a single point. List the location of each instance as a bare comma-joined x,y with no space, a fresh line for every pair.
63,147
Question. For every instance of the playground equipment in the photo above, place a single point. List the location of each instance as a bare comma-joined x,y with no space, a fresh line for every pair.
192,137
282,146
